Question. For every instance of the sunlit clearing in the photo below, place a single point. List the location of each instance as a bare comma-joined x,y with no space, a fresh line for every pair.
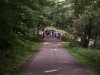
50,71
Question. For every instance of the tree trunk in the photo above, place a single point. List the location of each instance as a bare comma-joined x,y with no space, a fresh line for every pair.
86,34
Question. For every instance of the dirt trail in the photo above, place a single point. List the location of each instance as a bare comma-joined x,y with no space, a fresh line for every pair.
53,59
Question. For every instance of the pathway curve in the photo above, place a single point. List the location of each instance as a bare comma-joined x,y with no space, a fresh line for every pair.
53,59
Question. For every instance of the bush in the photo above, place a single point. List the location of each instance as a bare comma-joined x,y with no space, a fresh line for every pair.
64,38
13,58
71,43
38,39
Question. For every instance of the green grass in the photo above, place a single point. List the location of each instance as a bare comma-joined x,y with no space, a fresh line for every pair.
12,59
87,56
90,57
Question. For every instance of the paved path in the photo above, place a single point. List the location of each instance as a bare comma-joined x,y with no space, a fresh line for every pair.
53,59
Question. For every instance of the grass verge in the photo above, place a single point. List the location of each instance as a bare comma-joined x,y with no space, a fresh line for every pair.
90,57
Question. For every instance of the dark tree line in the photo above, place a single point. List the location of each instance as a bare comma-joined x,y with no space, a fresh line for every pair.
18,18
19,22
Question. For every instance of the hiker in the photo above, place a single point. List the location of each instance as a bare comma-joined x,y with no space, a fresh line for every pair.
91,43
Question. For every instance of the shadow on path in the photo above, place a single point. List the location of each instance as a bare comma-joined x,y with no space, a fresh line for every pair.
53,59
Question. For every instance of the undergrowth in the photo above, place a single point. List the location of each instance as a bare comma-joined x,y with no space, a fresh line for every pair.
12,59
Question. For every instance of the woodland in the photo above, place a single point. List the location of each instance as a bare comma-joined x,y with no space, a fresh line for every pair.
20,21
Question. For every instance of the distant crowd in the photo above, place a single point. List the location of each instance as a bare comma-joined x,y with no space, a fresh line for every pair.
50,33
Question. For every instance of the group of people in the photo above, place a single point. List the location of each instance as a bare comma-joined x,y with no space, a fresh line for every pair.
89,41
51,34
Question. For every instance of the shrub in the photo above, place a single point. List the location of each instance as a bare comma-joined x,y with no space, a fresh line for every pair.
37,39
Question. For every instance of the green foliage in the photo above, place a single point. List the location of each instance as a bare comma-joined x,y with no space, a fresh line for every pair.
38,39
71,43
86,19
64,38
12,59
59,14
19,22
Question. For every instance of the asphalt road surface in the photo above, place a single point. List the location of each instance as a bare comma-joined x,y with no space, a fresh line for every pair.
53,59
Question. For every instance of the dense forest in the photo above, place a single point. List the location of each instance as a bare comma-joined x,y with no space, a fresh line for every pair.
20,21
